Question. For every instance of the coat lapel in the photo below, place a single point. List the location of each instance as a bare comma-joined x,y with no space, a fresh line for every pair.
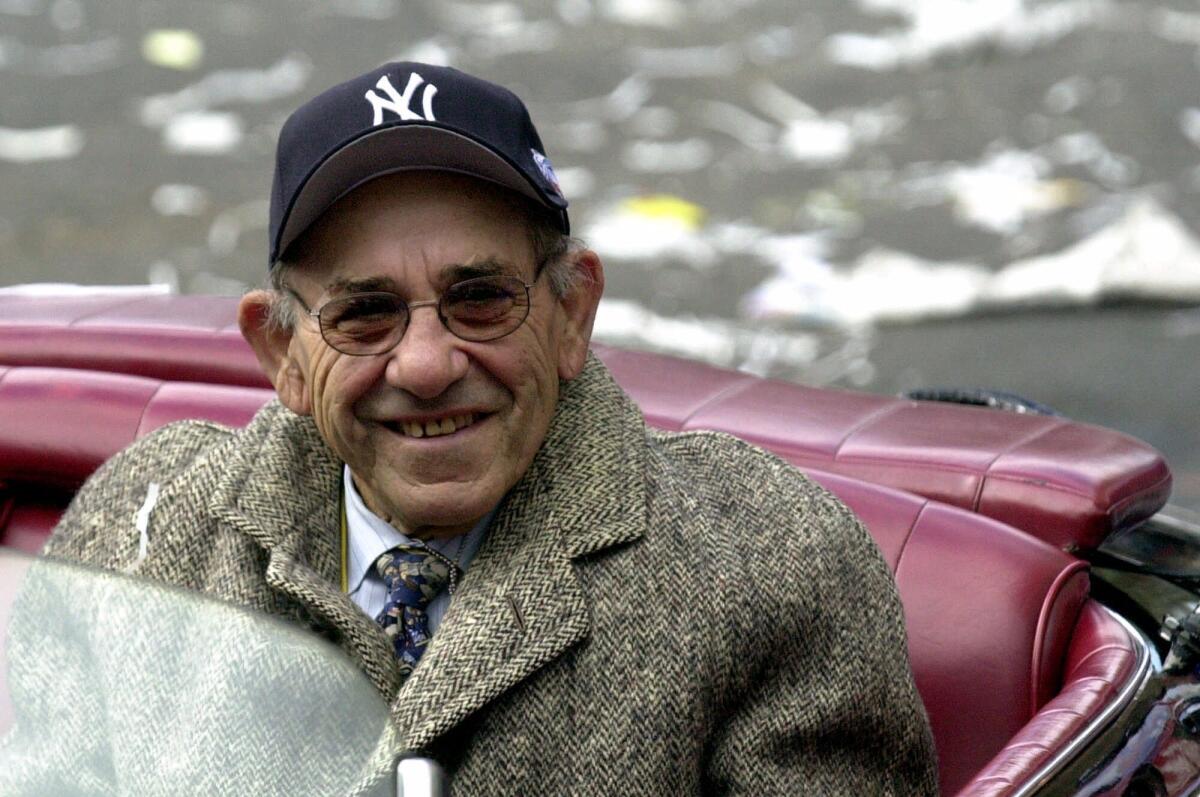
518,608
521,604
280,488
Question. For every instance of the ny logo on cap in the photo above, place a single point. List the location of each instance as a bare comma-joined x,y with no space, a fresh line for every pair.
400,104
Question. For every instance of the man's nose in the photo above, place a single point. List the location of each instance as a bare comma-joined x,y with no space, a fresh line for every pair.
429,358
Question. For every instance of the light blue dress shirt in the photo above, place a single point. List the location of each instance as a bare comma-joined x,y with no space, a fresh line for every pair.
370,535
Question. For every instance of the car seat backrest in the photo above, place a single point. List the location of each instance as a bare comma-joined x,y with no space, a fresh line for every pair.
991,612
1068,483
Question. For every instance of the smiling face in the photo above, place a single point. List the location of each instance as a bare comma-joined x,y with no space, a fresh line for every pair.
438,429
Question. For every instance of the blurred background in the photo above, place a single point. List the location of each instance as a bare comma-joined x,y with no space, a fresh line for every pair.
874,194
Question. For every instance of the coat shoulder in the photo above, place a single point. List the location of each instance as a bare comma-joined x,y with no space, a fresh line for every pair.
747,495
107,503
812,624
793,550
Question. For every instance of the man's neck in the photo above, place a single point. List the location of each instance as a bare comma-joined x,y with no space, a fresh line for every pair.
422,533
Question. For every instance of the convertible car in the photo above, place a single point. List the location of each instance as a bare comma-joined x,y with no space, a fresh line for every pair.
1051,600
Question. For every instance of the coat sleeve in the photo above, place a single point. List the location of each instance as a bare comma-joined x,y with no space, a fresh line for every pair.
824,700
100,525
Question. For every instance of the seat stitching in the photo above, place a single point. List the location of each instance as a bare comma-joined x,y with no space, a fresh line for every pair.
908,536
986,473
137,432
871,418
720,395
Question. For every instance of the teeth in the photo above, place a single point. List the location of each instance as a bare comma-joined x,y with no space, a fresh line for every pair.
436,428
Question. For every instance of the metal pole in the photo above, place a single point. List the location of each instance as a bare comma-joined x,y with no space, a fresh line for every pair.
417,776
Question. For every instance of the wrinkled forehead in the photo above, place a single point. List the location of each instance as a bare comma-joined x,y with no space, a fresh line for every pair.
337,284
447,219
415,232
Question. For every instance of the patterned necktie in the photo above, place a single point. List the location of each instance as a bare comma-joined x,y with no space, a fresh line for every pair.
414,576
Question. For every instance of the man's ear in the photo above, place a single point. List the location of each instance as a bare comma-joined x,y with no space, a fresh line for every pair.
579,306
273,347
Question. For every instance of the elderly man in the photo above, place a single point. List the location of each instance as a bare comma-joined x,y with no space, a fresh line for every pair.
552,598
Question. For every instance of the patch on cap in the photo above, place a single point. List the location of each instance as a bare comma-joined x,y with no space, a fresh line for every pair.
547,170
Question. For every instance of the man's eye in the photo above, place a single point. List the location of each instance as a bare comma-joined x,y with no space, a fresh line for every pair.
483,301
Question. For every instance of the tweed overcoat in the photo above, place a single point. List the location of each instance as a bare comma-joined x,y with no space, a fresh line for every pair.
650,613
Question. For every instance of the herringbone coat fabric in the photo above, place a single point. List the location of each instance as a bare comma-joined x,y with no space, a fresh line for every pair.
650,614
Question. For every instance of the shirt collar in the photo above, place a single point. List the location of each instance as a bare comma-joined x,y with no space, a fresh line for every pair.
370,535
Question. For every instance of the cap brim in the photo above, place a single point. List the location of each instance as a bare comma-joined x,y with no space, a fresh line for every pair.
397,148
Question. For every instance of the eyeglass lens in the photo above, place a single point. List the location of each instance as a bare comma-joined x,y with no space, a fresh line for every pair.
485,308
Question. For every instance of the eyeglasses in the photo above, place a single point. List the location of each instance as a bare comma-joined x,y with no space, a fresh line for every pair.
479,309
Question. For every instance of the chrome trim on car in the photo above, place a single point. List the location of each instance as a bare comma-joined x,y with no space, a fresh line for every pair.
1143,670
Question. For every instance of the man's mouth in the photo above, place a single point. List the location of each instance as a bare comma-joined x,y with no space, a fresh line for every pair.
434,428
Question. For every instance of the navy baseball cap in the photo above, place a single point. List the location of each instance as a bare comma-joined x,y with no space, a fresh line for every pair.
405,116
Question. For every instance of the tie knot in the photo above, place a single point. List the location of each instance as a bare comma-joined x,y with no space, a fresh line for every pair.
413,575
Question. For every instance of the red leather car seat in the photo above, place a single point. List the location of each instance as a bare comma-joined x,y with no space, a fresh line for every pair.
1067,483
179,338
992,613
992,616
58,425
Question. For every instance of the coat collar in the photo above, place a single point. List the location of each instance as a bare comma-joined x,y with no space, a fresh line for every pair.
520,604
279,486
